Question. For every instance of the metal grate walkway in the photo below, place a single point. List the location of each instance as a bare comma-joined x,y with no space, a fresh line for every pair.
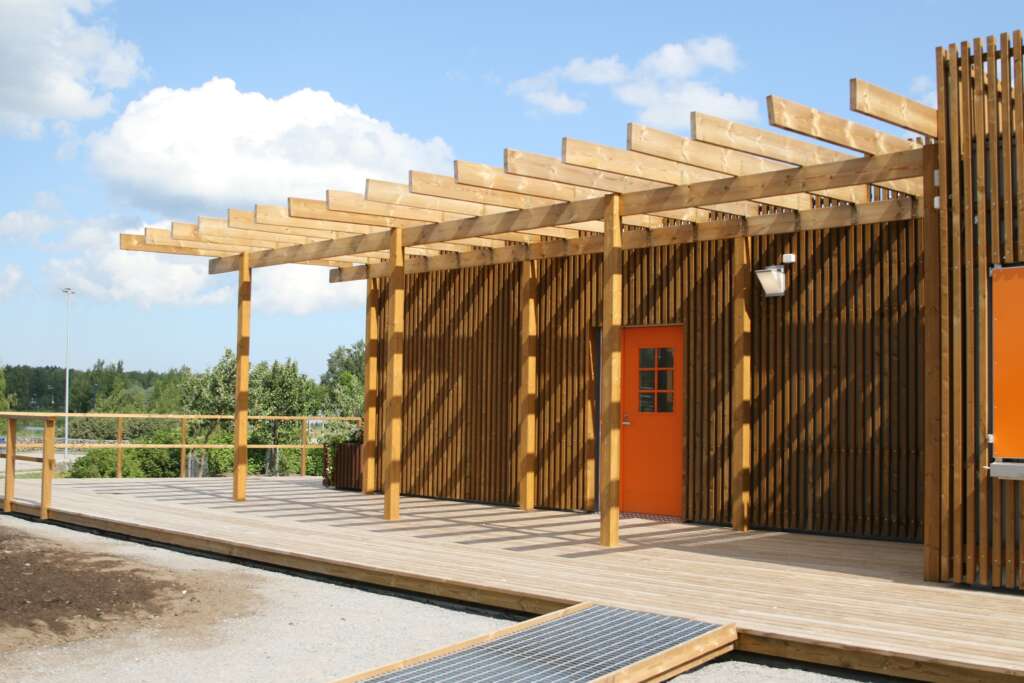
585,644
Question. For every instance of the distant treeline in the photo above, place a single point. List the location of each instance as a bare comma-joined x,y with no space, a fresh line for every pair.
42,388
275,388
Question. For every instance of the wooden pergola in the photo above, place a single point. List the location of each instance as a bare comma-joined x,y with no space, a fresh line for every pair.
728,181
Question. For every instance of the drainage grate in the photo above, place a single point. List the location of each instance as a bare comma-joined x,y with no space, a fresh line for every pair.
581,646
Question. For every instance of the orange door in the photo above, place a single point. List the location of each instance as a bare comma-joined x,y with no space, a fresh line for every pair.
652,420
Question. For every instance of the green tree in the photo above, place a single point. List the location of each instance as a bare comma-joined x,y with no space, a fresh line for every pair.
349,359
279,388
6,400
342,387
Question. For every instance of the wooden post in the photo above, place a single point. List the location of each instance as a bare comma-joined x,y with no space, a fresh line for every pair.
370,437
528,386
393,388
933,282
242,378
119,467
611,372
304,435
183,453
49,460
12,447
741,384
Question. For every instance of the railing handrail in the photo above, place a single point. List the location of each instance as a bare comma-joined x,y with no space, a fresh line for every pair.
30,415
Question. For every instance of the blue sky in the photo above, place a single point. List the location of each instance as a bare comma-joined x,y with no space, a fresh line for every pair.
118,115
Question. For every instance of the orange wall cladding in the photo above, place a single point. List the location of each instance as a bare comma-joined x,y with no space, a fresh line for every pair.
836,441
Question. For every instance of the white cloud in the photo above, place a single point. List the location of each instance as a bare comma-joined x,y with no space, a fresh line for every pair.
542,91
99,269
596,71
301,290
31,223
53,66
668,105
664,84
10,276
212,147
685,60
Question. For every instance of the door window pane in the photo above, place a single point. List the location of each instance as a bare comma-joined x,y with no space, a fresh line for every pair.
647,379
646,402
647,358
665,358
664,401
664,379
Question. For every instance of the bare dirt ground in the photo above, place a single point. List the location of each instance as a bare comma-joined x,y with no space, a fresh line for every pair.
77,606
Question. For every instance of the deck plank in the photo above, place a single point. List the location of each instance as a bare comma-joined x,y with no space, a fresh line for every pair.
853,595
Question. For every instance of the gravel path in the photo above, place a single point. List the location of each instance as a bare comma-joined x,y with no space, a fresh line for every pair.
210,620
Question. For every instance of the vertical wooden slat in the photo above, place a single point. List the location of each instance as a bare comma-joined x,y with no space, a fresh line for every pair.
119,464
49,461
241,436
9,463
611,372
740,390
303,441
934,502
392,465
528,385
182,453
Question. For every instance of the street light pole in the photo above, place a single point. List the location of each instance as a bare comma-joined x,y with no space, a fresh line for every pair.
67,363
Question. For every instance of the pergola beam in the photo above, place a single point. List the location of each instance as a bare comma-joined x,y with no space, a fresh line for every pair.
885,105
800,118
665,172
772,224
766,143
647,140
807,179
481,175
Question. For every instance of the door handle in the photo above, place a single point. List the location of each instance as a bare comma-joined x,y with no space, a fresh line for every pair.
625,421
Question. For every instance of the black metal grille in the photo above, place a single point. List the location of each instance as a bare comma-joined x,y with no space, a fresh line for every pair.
580,646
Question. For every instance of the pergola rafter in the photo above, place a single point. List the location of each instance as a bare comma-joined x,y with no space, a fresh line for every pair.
729,181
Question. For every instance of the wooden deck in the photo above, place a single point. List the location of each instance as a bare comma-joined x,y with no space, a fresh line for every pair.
853,603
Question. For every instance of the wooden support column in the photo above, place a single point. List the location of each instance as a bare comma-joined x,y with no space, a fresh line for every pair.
119,466
528,386
49,461
741,384
242,378
935,498
611,371
393,378
183,453
370,435
12,449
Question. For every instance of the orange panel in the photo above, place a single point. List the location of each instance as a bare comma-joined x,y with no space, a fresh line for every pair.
652,420
1008,361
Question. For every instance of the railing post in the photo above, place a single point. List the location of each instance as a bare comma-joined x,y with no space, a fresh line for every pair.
49,459
305,440
183,455
120,447
12,439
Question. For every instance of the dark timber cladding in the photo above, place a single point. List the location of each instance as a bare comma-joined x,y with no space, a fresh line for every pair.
979,520
836,368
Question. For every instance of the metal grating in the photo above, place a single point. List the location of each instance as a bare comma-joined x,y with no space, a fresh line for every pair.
581,646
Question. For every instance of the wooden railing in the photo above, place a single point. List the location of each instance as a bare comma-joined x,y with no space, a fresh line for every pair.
48,445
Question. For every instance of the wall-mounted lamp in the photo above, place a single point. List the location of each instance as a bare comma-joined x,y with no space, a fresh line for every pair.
773,278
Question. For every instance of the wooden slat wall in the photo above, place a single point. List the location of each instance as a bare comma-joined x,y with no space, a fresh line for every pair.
981,162
461,376
837,377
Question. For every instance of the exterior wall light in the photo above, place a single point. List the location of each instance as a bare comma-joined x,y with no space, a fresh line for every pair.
773,278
